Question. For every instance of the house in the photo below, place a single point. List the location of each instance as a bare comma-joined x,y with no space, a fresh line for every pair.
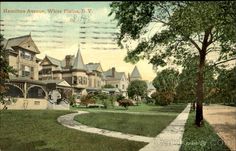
117,79
22,56
135,75
24,86
82,77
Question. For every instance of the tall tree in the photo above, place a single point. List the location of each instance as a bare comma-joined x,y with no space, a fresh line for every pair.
137,88
186,28
5,69
165,83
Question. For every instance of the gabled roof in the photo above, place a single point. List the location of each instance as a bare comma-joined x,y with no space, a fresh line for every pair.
135,73
78,62
23,42
94,67
54,61
117,76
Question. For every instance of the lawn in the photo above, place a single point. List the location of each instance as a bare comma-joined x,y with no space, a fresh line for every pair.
39,131
147,108
201,139
145,125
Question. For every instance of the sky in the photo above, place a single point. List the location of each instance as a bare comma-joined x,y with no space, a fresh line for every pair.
59,28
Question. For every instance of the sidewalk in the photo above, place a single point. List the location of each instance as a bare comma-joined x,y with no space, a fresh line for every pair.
170,139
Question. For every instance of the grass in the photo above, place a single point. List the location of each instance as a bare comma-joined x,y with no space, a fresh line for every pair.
145,125
39,131
201,139
147,108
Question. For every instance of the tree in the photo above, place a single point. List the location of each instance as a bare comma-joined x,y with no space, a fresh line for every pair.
185,29
165,83
5,70
108,86
136,89
226,84
187,80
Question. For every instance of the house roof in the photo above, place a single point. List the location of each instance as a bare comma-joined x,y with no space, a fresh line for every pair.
94,67
54,61
78,62
135,73
117,75
21,42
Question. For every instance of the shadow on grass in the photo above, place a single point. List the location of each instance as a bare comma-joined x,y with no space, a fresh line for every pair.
8,144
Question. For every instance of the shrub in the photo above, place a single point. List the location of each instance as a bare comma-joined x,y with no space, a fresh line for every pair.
119,97
71,99
125,103
88,99
162,98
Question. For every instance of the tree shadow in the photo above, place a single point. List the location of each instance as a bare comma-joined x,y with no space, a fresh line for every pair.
9,144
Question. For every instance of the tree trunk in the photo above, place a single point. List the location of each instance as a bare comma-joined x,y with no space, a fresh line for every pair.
200,91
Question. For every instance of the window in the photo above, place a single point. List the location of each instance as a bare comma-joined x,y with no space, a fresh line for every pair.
25,71
80,80
46,71
74,79
26,55
116,85
123,86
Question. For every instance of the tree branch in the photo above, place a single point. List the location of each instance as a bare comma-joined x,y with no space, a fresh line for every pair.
195,44
223,61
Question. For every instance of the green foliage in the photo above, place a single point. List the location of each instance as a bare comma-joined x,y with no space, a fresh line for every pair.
184,26
87,99
72,99
119,97
125,103
108,86
165,83
137,88
5,69
186,87
226,84
170,32
105,99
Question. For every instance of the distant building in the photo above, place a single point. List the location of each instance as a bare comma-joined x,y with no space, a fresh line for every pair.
117,79
73,70
135,75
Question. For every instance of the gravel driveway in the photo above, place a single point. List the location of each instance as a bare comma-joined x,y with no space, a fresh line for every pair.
223,119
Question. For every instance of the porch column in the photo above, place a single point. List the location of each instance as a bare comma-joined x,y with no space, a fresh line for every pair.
25,90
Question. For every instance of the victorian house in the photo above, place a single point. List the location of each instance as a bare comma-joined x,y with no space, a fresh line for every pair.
82,77
117,79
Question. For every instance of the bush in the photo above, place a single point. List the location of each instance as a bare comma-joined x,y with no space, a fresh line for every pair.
125,103
88,99
162,98
71,99
119,97
149,100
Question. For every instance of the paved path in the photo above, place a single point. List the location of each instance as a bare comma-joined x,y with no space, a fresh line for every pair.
223,120
68,121
170,139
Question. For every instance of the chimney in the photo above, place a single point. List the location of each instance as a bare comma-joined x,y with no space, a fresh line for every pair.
113,69
68,59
